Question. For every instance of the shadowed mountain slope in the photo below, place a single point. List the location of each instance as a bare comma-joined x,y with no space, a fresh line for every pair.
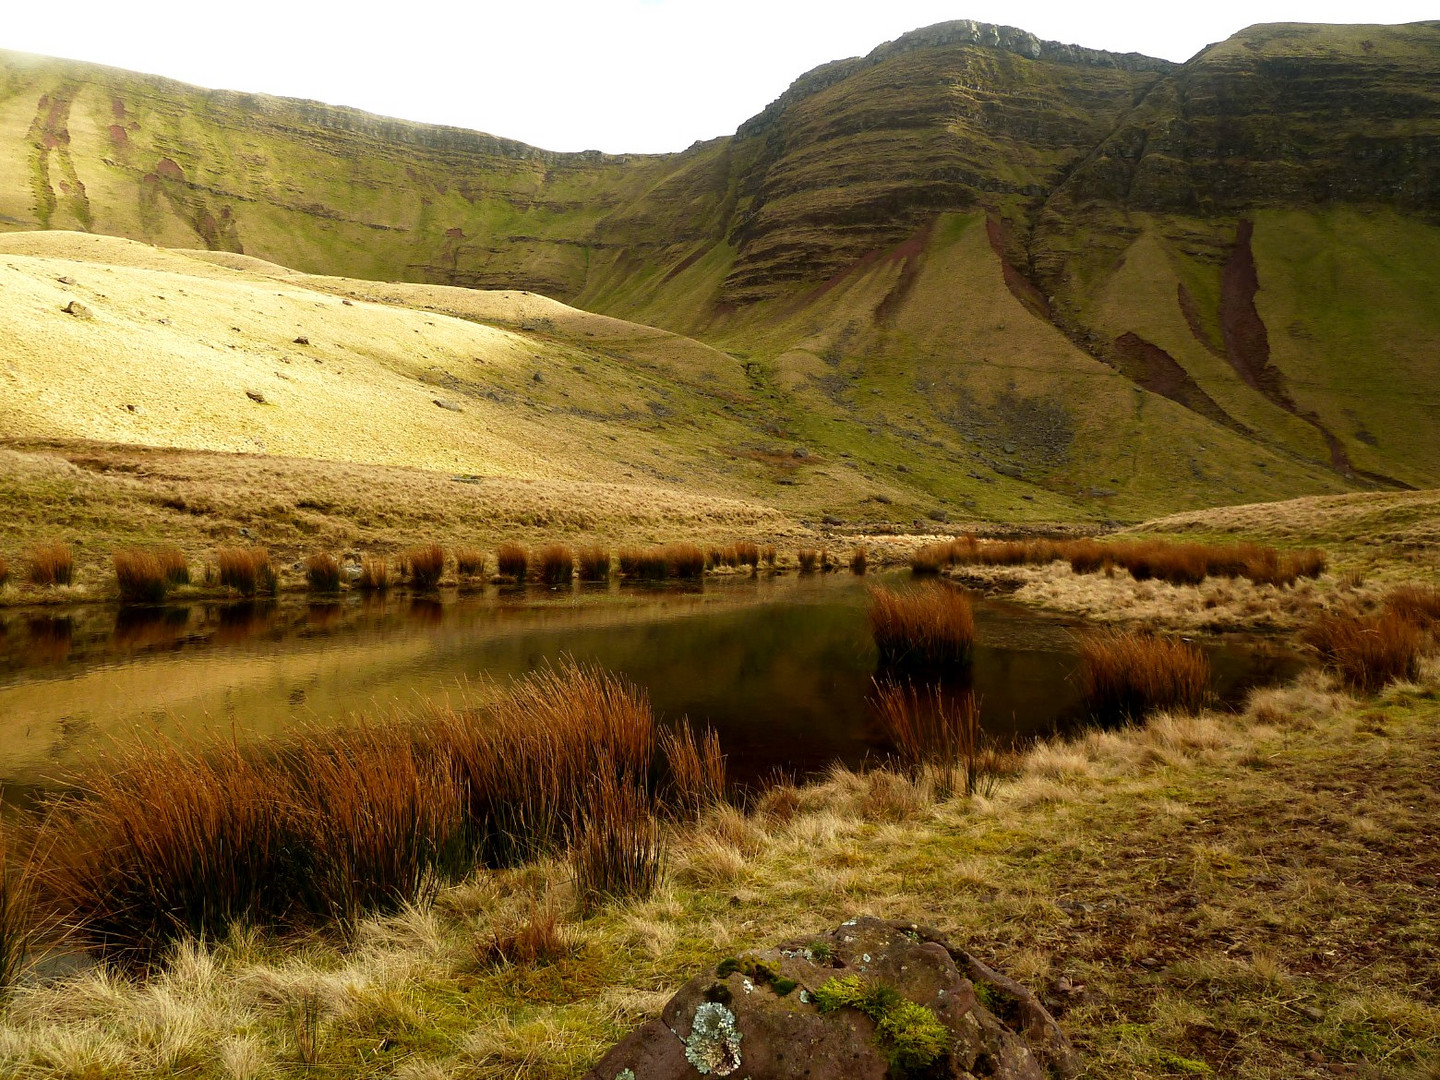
1036,278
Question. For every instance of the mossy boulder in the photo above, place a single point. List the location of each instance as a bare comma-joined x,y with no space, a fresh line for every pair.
868,1000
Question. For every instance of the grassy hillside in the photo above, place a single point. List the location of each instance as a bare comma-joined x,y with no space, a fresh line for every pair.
969,274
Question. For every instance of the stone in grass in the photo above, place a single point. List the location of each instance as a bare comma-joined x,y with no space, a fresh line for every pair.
78,310
876,999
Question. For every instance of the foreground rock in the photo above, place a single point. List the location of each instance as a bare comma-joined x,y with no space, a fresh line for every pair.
869,1000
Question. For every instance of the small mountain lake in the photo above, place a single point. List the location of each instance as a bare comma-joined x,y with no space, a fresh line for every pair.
780,666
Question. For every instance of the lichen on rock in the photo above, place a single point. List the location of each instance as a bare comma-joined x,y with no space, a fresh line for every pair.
713,1046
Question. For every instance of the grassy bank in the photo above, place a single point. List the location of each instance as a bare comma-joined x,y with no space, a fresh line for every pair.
1224,895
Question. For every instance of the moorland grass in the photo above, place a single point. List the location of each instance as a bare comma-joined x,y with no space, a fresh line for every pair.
512,561
424,563
1127,675
141,576
1417,604
643,563
175,565
469,562
933,626
322,573
556,564
52,564
593,563
17,927
937,734
696,769
809,560
620,850
1367,651
374,574
248,571
4,571
684,560
859,561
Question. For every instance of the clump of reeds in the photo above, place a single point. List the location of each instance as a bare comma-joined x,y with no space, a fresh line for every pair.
809,559
593,563
859,561
768,556
940,735
175,565
928,627
746,553
469,562
1368,651
425,563
1309,563
140,575
696,767
1417,604
4,571
512,561
536,936
374,575
930,559
246,570
645,564
715,558
17,925
684,560
322,573
556,563
52,564
619,850
1126,675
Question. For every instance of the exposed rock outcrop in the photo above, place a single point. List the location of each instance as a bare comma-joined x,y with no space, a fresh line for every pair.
868,1000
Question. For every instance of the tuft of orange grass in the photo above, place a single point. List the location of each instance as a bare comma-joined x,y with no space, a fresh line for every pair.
512,561
17,915
646,564
1417,604
746,554
684,560
859,561
593,564
939,734
175,565
1126,675
469,562
619,851
140,575
556,563
246,570
1368,651
425,563
809,559
696,767
533,938
374,575
52,564
930,559
4,571
768,556
322,573
929,627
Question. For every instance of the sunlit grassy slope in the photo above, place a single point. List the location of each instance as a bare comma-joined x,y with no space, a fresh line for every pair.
970,273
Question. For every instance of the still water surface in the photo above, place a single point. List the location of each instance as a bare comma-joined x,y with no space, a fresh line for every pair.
780,666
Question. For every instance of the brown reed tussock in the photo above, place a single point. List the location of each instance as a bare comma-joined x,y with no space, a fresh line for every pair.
768,556
52,564
425,564
377,815
17,913
940,735
593,564
166,841
1417,604
175,565
697,770
859,561
512,561
374,575
322,573
932,626
556,564
1367,651
1125,675
248,571
684,561
534,937
717,557
1310,563
930,559
469,562
644,564
140,576
4,571
746,554
619,850
809,560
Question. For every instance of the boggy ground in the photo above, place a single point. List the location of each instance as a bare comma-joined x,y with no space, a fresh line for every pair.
1239,896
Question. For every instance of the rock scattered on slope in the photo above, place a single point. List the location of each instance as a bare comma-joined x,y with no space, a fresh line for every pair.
870,999
77,309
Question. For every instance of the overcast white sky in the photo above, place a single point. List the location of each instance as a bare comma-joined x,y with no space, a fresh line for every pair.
614,75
